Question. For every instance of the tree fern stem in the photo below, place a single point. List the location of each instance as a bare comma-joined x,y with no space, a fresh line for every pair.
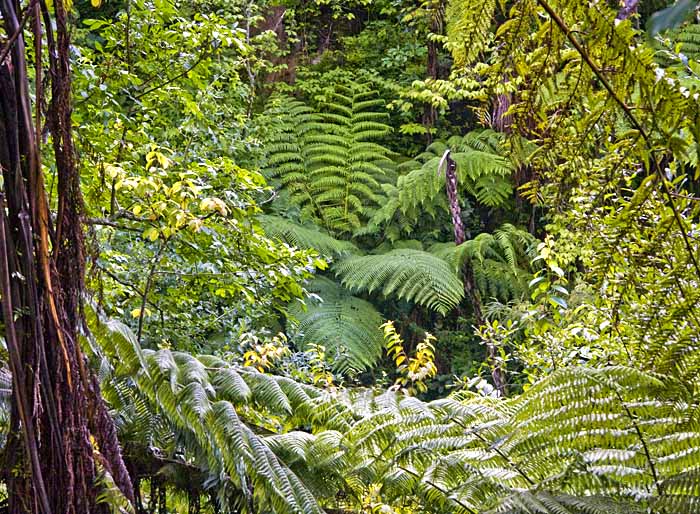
470,289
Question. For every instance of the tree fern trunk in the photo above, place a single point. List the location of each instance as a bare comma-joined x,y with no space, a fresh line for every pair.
470,288
56,403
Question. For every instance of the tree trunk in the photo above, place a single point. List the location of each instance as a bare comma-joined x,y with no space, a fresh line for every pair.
470,288
62,434
430,114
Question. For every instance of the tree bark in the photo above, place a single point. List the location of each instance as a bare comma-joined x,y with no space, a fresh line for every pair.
430,114
470,288
62,432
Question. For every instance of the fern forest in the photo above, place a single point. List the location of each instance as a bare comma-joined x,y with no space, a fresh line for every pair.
349,257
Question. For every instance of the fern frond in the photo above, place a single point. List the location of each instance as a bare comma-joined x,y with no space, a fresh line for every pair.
323,156
293,234
348,327
412,275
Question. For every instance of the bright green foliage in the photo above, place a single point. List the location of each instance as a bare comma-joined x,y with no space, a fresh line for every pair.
306,237
482,171
330,161
500,261
595,328
413,275
159,129
347,326
683,41
583,440
469,28
214,411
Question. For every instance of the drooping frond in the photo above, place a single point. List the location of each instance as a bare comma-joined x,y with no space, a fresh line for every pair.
412,275
469,29
347,326
301,236
204,400
581,441
500,261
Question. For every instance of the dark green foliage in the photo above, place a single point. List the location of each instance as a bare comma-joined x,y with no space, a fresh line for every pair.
501,261
412,275
301,236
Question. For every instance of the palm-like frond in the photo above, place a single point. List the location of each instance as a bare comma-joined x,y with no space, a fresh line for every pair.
346,325
481,171
306,237
500,261
330,161
203,401
469,29
582,440
412,275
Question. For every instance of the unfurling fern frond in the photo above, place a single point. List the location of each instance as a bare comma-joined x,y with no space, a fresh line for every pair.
347,326
412,275
301,236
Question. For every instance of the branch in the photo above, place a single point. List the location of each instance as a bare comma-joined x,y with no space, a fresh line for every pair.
633,120
16,33
173,79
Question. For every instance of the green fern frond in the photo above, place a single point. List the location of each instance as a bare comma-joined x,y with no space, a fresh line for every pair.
481,172
323,156
294,234
412,275
347,326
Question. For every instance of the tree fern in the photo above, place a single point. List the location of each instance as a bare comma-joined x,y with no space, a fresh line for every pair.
347,326
330,161
582,440
500,261
481,171
412,275
301,236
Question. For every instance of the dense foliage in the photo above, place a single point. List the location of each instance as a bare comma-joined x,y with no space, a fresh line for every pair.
390,257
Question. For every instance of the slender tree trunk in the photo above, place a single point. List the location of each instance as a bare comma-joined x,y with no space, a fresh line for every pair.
470,288
430,114
63,435
501,120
